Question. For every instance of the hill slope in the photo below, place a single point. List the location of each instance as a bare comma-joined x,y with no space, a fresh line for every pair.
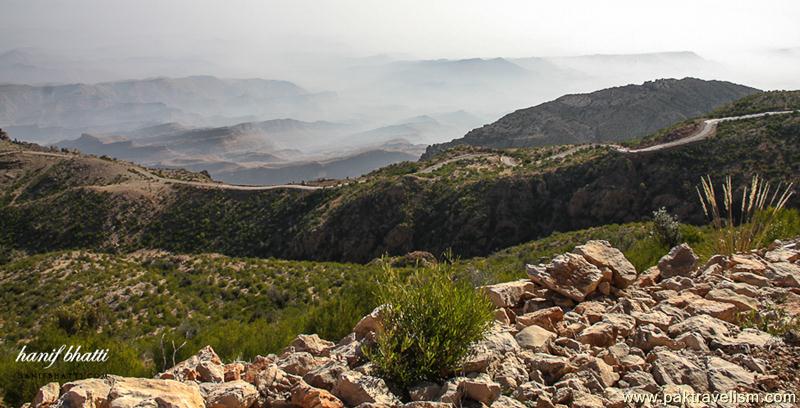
471,200
608,115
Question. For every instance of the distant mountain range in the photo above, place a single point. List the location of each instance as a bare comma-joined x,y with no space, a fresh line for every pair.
608,115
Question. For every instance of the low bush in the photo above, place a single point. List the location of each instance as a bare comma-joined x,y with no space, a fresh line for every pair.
429,321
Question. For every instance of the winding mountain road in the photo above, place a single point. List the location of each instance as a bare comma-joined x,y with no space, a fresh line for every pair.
709,125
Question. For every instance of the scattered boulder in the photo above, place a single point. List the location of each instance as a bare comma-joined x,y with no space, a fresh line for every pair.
603,255
481,389
355,388
571,275
140,392
47,395
233,394
91,392
680,261
312,344
205,366
535,338
509,294
305,396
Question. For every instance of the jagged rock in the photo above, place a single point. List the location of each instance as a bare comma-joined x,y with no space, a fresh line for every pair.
234,394
706,326
725,376
614,354
546,318
88,393
355,388
648,278
508,294
325,376
451,392
370,323
496,343
205,366
428,404
603,372
741,302
141,392
274,384
632,362
300,363
719,310
739,288
747,263
425,391
603,255
615,397
648,337
750,278
537,303
502,316
510,373
680,261
47,395
782,255
233,371
312,344
506,402
593,311
305,396
550,366
745,341
257,366
481,389
571,275
692,341
535,338
656,318
600,334
668,367
642,380
783,274
585,400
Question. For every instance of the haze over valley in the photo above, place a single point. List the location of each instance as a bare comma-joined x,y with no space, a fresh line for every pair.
262,111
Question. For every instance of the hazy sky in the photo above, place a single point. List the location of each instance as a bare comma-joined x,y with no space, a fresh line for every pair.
416,28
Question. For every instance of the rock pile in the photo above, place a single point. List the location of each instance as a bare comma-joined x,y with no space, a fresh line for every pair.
584,331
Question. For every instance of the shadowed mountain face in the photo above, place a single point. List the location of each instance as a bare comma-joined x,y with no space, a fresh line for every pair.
608,115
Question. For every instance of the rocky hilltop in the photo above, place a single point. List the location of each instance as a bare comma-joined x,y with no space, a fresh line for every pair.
585,330
608,115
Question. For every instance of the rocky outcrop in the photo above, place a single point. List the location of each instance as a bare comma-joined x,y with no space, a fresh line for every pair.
583,331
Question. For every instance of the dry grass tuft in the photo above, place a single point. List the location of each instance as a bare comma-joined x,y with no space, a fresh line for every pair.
757,213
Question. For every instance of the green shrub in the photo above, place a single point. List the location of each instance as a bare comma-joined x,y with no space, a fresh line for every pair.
666,228
429,323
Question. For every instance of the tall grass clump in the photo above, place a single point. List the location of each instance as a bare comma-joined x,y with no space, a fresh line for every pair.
757,214
430,319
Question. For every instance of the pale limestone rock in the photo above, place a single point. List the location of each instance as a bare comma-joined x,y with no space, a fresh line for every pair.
680,261
535,338
138,392
603,255
741,302
88,393
725,376
233,394
312,344
509,294
571,275
668,367
205,366
354,388
47,395
546,318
